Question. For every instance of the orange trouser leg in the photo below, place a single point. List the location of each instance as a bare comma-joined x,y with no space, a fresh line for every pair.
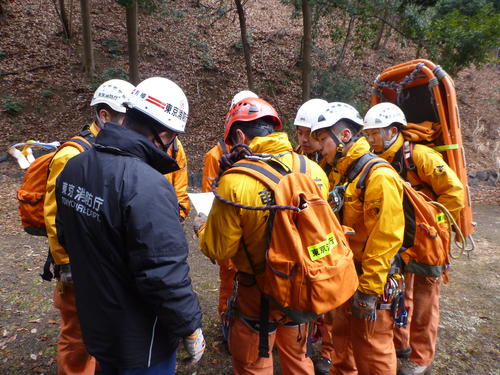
244,348
226,277
425,320
326,336
373,346
244,341
402,334
72,356
292,348
342,357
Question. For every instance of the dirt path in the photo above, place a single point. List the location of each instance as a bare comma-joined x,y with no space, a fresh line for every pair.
468,337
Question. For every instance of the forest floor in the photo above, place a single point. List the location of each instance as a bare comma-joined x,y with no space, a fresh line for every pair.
468,333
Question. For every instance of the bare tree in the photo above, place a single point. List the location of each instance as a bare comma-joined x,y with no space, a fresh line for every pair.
88,52
306,50
63,17
380,34
350,27
133,46
246,45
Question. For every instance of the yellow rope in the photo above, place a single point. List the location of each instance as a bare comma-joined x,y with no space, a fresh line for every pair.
452,224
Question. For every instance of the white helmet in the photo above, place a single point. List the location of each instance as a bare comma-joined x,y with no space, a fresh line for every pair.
308,113
162,100
114,93
334,112
382,115
242,95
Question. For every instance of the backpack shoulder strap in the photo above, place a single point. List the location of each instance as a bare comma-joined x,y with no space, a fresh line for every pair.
264,172
364,175
87,135
407,150
410,167
357,166
223,146
77,142
363,165
300,163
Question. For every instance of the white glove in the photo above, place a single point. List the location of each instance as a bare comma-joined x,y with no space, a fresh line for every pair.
65,274
199,221
195,346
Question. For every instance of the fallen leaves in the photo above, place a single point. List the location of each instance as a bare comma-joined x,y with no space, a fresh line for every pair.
5,342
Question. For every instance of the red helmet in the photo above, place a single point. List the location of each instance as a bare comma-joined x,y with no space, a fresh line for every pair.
250,109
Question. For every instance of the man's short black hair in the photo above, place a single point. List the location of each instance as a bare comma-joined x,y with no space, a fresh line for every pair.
141,123
257,128
114,114
347,124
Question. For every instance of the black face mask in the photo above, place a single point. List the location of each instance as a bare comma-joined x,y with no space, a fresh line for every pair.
156,136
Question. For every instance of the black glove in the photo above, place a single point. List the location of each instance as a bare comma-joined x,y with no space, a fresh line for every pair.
364,306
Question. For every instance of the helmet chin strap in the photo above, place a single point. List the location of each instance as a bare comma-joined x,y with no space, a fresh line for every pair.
340,145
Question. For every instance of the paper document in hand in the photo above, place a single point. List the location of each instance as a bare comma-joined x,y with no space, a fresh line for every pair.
202,202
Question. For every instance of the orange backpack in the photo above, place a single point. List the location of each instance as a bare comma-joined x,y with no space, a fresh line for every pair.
31,194
426,244
309,266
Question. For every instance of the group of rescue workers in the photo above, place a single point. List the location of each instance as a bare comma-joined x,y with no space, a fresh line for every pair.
114,219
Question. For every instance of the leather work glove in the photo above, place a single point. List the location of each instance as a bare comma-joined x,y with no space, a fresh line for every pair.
199,222
364,306
195,346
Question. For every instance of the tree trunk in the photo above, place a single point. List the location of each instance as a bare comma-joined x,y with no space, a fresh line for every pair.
133,47
88,52
340,59
306,50
418,51
380,34
64,19
246,45
381,29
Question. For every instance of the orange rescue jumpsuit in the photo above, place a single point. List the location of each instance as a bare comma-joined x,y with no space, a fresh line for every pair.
227,271
222,238
72,356
362,346
422,293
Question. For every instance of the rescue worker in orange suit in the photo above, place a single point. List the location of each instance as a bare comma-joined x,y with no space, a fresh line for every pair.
363,327
307,114
227,271
415,344
231,233
72,356
179,178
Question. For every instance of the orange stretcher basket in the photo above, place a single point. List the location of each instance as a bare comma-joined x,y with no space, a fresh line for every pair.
425,92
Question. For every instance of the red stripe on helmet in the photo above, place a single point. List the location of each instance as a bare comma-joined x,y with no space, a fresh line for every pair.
156,102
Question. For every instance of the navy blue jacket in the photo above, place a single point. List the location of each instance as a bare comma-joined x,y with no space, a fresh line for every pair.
118,220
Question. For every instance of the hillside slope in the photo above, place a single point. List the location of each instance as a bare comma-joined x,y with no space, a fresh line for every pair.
44,96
